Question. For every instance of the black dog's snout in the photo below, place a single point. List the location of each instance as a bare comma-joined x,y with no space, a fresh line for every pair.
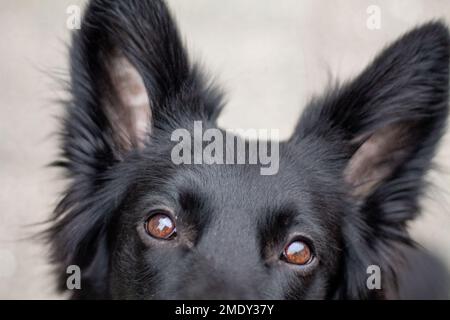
204,281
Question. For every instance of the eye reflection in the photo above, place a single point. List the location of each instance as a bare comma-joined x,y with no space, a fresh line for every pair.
297,252
160,226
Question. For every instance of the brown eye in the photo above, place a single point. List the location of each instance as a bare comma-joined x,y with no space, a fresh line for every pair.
160,226
297,252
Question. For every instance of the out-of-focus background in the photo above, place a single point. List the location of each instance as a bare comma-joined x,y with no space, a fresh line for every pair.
270,55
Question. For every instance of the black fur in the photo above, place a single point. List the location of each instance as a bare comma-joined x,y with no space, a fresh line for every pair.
350,177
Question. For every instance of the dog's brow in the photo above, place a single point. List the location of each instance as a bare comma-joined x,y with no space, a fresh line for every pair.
193,207
275,224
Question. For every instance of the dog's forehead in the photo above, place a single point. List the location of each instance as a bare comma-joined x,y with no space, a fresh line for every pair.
242,186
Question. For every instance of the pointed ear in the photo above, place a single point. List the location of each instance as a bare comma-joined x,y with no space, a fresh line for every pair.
130,80
385,126
400,105
128,66
392,115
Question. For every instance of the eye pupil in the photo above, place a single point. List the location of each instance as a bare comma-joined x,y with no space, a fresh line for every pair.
160,226
297,252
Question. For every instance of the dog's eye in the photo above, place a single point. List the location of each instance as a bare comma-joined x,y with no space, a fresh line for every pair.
160,226
297,252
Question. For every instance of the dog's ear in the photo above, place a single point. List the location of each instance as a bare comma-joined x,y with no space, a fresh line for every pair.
130,80
387,122
130,75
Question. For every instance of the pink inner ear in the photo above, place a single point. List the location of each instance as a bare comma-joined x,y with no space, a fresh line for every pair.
130,114
378,157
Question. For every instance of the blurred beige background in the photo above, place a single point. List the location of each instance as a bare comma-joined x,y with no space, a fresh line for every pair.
271,56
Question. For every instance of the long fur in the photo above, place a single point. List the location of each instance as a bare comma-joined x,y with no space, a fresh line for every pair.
401,98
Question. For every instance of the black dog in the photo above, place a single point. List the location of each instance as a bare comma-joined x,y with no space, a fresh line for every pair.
349,179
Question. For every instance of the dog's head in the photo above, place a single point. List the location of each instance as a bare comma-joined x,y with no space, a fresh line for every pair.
141,226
